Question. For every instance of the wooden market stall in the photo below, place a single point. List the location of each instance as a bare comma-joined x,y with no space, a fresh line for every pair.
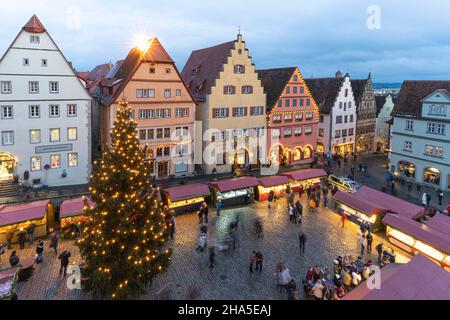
276,183
18,216
186,198
234,191
305,178
72,212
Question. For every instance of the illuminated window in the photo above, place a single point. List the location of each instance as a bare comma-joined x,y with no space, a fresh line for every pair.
54,135
35,163
297,154
307,153
35,136
72,134
73,159
55,160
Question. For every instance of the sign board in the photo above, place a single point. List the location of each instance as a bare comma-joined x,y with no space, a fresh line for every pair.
54,148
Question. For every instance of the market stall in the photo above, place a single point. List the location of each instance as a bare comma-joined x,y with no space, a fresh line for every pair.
276,183
431,239
186,198
71,212
15,217
8,281
234,191
305,178
370,205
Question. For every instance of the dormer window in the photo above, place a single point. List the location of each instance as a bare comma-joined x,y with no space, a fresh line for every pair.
168,70
35,39
239,69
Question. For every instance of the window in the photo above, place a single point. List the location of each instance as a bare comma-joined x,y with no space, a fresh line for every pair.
308,130
239,112
351,118
143,134
33,87
167,151
152,70
167,93
294,90
276,118
345,119
71,110
280,103
55,160
321,132
436,128
288,90
34,111
350,132
7,112
229,89
35,136
294,102
150,134
309,116
35,163
302,90
437,110
256,111
178,92
247,89
308,102
7,138
26,62
239,68
54,110
145,93
338,119
337,134
72,134
34,39
407,146
168,70
220,112
295,78
159,133
298,131
182,112
159,152
288,117
434,151
55,135
6,87
349,104
340,105
299,116
276,133
346,93
287,132
54,87
166,132
409,125
321,119
300,102
44,63
344,132
287,102
73,159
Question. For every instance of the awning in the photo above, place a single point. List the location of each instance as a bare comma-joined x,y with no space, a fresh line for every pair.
420,231
440,222
235,184
187,191
19,213
357,203
419,279
73,207
273,181
306,174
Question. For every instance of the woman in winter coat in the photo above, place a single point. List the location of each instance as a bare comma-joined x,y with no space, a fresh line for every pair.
40,251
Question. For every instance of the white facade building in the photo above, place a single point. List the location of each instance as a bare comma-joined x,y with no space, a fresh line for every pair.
337,125
421,133
45,113
386,104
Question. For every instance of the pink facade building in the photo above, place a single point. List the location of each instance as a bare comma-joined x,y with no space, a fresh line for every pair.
292,116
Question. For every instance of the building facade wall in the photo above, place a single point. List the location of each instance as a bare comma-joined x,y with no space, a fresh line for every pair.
382,128
42,62
366,120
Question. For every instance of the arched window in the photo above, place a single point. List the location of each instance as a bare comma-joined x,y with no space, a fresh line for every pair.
297,156
307,154
432,175
407,169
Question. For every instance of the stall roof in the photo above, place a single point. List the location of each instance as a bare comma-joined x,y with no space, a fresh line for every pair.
73,207
419,279
235,184
305,174
440,222
372,201
7,279
420,231
23,212
187,191
273,181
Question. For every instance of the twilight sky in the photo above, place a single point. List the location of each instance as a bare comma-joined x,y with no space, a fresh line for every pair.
319,36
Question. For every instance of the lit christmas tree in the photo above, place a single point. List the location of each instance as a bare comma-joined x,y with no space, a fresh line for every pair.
124,242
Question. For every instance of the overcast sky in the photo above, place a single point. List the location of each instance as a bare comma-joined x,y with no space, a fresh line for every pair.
319,36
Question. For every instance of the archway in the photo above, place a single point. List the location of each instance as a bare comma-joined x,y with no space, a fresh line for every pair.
7,166
276,153
241,157
297,154
307,153
287,157
432,175
407,169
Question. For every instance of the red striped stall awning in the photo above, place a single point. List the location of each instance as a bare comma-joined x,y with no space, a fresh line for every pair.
235,184
187,191
272,181
306,174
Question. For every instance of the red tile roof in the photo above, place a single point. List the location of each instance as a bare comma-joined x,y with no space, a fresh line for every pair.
274,81
235,184
203,67
305,174
419,279
23,212
273,181
34,25
188,191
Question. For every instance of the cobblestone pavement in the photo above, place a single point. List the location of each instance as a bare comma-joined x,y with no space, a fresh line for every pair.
230,278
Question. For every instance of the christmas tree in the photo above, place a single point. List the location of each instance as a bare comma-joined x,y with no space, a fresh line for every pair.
124,241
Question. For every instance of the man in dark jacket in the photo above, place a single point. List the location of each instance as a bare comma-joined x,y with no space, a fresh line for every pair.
54,238
64,257
14,259
9,236
302,241
259,261
21,238
30,231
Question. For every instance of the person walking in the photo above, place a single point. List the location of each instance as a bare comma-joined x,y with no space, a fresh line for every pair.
205,211
369,239
219,207
343,217
40,251
14,259
270,198
440,197
9,236
21,238
379,249
30,231
64,257
200,214
259,261
212,257
428,199
291,213
362,241
302,241
251,261
424,199
54,238
325,200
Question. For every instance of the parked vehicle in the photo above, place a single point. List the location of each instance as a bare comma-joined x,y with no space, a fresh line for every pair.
343,184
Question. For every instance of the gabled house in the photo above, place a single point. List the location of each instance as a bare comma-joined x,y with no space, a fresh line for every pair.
292,115
231,105
337,119
161,105
385,104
